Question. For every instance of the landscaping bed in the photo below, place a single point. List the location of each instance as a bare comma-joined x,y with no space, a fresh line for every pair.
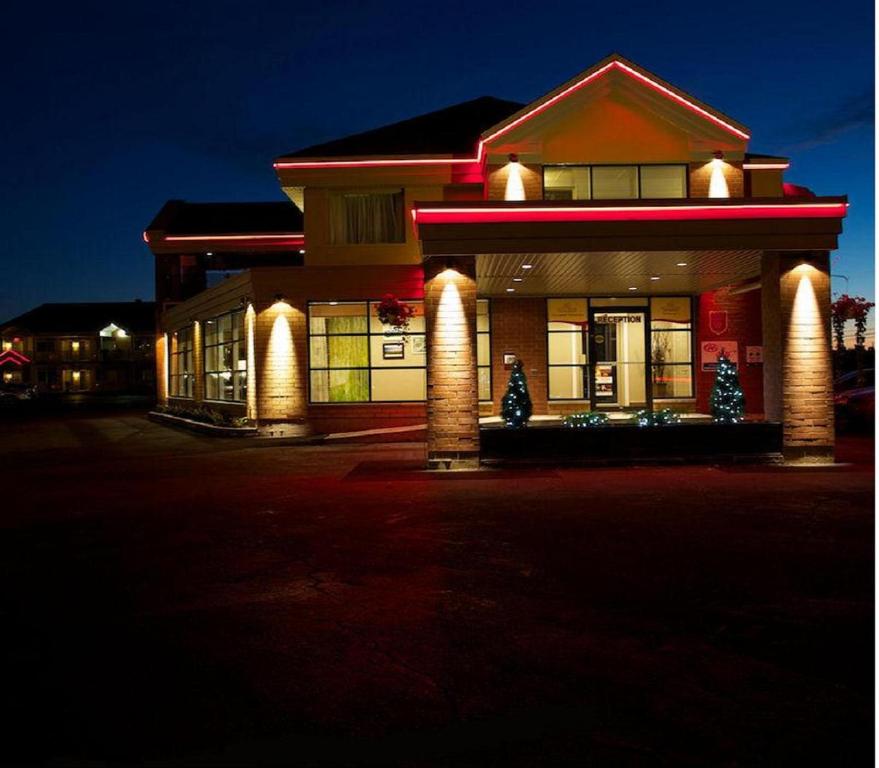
627,443
202,427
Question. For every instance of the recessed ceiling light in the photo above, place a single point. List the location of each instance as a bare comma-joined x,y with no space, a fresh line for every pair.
527,266
654,277
301,250
682,263
632,288
209,253
518,279
510,290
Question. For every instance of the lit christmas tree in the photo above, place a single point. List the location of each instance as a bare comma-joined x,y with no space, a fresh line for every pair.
727,397
516,405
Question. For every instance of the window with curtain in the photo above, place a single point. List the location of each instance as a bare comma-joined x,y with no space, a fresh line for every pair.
354,358
671,346
182,367
225,358
358,218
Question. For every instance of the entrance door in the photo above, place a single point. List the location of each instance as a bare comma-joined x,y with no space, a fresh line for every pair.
619,367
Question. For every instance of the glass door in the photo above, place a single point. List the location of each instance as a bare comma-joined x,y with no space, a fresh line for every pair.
619,347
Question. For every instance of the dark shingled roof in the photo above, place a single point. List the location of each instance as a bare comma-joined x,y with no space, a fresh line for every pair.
178,217
454,130
87,318
750,157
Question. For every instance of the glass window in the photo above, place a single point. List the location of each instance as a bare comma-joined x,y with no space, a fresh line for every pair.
182,368
483,348
566,183
355,358
663,181
225,358
614,182
367,217
671,346
567,348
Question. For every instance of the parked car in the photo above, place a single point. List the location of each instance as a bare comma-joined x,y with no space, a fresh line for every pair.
854,397
16,391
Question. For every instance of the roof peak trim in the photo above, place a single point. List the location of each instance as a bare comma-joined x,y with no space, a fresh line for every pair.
614,61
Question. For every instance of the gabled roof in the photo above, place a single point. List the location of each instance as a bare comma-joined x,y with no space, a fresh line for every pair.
179,217
86,318
453,130
616,63
465,129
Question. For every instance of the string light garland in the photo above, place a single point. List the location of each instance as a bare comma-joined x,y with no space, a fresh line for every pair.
516,405
727,397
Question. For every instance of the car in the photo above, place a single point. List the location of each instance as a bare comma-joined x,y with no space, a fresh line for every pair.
854,399
17,391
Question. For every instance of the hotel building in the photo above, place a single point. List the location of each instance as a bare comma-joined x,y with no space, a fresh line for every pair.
616,235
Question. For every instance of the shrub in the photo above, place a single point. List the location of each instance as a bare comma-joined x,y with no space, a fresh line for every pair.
204,415
659,418
585,419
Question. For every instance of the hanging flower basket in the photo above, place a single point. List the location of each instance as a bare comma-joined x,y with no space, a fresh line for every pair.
395,313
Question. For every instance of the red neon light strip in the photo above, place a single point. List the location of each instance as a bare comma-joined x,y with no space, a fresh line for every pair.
628,213
15,357
289,236
518,121
766,166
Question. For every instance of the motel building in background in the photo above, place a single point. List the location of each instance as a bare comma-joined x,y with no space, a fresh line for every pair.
615,235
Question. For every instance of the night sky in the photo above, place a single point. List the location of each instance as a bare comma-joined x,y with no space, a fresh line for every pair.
110,109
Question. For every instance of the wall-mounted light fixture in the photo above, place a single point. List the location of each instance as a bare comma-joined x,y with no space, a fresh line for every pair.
280,297
717,186
515,188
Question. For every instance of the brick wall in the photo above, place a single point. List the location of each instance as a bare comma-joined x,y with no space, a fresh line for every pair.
532,181
342,417
700,178
744,326
519,326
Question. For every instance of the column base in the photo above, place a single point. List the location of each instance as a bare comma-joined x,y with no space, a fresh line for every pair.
452,461
808,454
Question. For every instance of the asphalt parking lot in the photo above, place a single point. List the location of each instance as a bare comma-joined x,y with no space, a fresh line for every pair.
179,600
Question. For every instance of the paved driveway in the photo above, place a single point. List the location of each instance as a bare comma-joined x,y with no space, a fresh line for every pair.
174,598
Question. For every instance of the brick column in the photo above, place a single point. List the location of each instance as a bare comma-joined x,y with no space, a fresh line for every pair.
279,357
797,364
452,391
162,355
197,362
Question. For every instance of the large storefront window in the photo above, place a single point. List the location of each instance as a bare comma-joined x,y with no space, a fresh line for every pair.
225,358
671,347
354,358
182,369
605,351
614,182
483,348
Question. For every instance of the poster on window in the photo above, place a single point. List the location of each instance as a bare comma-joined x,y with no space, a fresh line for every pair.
712,350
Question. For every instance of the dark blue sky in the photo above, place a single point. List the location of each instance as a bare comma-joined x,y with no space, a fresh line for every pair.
112,108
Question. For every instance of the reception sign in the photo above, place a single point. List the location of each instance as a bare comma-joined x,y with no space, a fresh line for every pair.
711,350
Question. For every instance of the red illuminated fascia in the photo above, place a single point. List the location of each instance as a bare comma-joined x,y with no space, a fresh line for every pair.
467,215
480,147
766,166
11,356
280,239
